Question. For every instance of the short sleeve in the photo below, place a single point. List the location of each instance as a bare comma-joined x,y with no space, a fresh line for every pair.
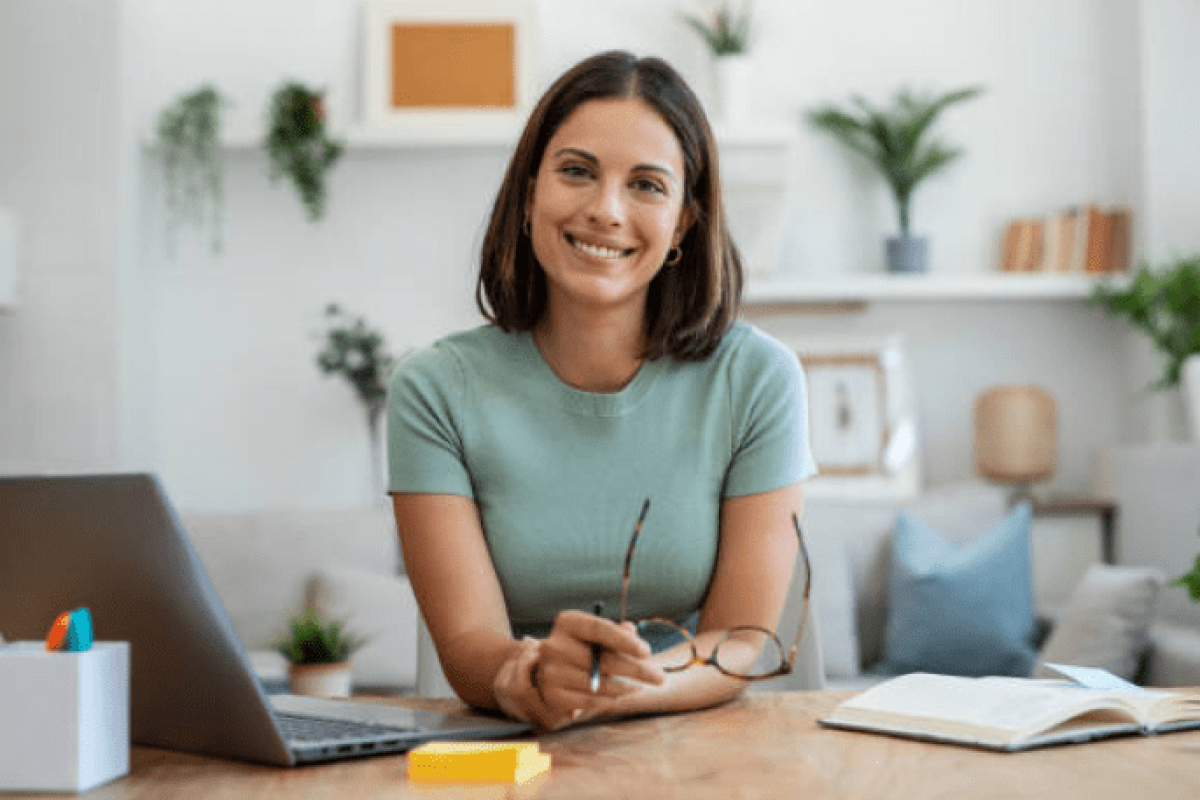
425,441
769,403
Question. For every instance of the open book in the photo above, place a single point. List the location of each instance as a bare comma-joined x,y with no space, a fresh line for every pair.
1015,713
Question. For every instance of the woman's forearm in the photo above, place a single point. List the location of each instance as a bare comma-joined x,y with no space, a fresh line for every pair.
695,687
471,661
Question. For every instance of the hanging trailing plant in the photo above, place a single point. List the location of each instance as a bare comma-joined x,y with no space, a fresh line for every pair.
189,131
298,144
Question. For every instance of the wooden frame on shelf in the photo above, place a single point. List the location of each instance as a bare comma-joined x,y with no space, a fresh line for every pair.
440,66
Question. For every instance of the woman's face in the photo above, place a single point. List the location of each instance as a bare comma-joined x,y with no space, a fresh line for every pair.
607,204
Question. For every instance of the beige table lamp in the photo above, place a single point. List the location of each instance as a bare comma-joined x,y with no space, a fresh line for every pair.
1016,440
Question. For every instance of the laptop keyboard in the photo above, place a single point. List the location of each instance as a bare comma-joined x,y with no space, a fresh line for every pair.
318,729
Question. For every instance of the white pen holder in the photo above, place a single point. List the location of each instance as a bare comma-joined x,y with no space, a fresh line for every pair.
65,720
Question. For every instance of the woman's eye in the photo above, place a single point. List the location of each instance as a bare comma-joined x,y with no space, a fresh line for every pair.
648,185
575,171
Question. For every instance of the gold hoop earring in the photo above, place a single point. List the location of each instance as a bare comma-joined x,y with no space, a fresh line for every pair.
673,256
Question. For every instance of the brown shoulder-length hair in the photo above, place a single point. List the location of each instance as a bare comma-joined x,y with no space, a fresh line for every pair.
690,304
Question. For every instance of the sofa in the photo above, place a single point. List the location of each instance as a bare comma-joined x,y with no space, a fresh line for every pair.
267,565
1109,619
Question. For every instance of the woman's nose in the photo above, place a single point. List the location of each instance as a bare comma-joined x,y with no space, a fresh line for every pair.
607,206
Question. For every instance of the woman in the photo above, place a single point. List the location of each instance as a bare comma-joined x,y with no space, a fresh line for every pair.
613,370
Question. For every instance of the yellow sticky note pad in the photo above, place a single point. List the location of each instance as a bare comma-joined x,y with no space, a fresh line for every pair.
476,762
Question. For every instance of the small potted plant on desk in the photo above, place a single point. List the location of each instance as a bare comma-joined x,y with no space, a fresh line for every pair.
318,652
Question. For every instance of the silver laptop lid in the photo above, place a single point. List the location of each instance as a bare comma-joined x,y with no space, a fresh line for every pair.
113,543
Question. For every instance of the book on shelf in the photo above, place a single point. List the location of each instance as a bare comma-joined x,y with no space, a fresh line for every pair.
1082,239
1011,714
1059,241
1022,247
1098,255
1121,239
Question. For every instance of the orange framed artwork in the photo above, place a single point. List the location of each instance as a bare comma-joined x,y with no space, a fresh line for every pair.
438,65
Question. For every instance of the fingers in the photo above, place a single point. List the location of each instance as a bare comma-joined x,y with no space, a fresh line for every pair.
514,686
624,653
548,682
520,689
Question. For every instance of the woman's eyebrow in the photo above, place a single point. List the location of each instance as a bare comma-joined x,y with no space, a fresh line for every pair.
591,159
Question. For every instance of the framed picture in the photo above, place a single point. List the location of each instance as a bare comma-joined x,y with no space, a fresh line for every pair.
847,412
442,65
861,416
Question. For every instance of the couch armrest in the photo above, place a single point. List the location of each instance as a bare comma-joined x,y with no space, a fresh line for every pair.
1174,655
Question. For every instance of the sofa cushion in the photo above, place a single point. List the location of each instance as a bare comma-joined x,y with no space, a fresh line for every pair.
1106,621
381,608
961,609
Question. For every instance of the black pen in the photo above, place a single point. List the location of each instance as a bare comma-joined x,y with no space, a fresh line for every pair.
597,609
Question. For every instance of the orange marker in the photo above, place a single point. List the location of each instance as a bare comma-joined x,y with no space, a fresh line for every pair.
58,631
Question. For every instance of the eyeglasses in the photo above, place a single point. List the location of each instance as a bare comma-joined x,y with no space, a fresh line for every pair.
747,652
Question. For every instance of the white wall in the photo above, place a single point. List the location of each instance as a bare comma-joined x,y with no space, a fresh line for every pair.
62,169
1170,110
205,364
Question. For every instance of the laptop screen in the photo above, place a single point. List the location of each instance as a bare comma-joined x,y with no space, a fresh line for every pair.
114,544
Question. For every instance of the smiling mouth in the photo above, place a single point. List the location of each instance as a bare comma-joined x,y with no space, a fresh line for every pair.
598,251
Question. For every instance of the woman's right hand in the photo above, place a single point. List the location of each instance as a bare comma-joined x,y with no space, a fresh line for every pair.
548,682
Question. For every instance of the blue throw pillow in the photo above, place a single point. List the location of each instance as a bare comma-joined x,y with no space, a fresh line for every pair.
961,609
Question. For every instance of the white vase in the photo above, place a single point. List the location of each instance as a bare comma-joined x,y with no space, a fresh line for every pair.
1189,384
732,81
322,680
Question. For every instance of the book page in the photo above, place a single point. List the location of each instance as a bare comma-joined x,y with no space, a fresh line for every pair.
1095,678
1003,710
1155,706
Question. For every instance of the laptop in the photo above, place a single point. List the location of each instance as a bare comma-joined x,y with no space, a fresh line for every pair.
114,544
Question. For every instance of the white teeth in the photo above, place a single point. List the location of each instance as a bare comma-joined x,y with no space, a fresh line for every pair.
596,251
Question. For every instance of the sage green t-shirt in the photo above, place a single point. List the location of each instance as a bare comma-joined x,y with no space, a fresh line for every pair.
560,475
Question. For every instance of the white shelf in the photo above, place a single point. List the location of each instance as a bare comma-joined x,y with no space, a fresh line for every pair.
773,134
884,287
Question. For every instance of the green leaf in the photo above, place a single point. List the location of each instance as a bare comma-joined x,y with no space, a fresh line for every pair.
1190,580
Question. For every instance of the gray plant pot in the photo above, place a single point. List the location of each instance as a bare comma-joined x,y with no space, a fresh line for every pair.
907,253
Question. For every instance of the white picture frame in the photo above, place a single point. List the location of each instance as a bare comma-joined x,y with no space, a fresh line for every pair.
439,66
864,435
847,412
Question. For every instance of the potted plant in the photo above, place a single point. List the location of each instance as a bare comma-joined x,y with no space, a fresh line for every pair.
358,352
298,145
726,32
896,142
189,131
318,653
1164,304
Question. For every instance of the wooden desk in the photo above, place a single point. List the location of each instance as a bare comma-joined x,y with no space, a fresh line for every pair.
763,745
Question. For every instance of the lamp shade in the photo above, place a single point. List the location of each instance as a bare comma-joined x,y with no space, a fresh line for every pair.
1016,439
